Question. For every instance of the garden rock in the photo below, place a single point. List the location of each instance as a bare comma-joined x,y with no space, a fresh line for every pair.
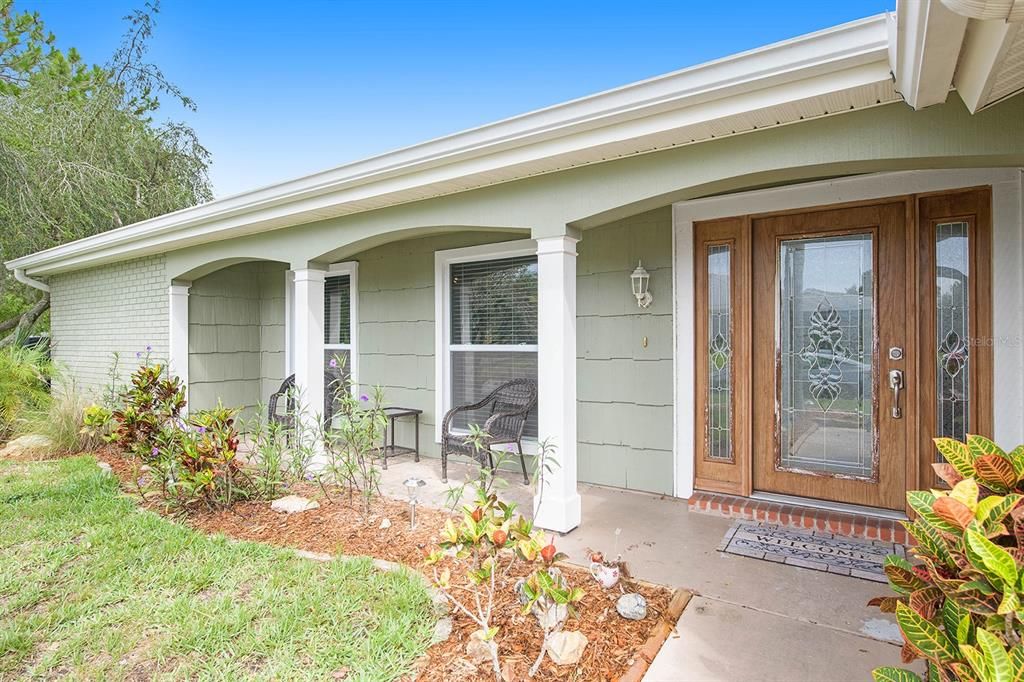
25,446
566,648
632,606
442,631
105,468
291,504
480,650
385,523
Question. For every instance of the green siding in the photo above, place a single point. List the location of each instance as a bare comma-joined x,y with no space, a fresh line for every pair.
236,335
624,390
396,324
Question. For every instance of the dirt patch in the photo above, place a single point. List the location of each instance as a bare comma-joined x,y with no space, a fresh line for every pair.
338,527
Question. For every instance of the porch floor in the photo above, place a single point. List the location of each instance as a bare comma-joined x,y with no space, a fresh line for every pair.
749,619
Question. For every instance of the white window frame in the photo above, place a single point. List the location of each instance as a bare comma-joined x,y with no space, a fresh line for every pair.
443,260
350,268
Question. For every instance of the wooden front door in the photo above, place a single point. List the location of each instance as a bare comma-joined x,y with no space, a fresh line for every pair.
803,316
829,330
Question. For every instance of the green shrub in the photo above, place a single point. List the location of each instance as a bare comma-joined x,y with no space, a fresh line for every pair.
197,462
278,454
192,461
153,403
352,443
960,607
24,386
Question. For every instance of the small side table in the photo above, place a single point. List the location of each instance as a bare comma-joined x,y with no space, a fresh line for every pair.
393,413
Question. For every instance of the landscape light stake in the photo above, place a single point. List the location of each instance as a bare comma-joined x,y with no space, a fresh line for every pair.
413,485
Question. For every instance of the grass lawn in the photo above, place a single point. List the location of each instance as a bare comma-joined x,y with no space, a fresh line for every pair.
93,587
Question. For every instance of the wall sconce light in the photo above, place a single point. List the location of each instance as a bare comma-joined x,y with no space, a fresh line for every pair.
641,280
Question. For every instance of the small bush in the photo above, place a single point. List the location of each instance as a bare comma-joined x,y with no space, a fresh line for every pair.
152,404
196,463
24,386
481,548
352,442
961,606
278,454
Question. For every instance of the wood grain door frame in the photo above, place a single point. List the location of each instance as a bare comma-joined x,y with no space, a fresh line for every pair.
715,474
738,479
973,206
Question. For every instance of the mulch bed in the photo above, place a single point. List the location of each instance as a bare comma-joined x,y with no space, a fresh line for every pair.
336,527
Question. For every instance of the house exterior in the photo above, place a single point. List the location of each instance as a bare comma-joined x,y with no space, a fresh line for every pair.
832,226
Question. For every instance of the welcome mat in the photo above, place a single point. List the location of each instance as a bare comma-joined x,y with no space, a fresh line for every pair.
810,549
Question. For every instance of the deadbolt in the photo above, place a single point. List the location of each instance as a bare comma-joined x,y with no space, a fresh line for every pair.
895,353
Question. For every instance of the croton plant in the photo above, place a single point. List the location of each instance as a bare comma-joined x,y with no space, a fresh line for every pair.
960,605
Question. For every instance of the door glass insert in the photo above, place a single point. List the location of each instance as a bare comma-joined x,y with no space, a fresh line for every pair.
825,346
952,330
719,384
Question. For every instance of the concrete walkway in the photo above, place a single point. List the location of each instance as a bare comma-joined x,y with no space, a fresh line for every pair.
749,620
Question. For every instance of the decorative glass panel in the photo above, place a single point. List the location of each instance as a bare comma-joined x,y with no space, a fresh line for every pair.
718,438
952,330
826,341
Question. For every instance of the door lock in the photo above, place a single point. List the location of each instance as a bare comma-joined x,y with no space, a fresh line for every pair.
896,384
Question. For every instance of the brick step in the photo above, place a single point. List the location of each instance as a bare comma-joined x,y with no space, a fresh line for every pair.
794,516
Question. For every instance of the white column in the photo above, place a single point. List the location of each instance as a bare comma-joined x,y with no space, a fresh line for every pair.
289,323
558,506
177,338
308,323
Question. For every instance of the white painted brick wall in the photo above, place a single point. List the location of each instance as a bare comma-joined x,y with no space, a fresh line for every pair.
119,307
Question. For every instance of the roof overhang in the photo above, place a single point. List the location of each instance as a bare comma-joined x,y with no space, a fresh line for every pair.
973,46
832,71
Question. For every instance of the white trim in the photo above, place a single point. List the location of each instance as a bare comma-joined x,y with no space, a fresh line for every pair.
1007,228
557,505
19,274
926,44
984,50
443,261
618,122
350,268
289,324
309,339
177,336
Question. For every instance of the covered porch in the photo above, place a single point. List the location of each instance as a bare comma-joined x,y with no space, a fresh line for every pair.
434,319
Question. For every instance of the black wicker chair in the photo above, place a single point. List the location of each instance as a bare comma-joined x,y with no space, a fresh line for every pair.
510,405
286,391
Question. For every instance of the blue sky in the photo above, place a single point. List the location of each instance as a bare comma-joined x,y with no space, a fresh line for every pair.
288,88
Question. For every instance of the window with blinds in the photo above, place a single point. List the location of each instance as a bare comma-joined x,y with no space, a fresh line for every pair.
493,332
338,325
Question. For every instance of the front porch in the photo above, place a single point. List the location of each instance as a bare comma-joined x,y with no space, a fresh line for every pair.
749,619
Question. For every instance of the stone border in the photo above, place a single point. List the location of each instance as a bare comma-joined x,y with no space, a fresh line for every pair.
664,627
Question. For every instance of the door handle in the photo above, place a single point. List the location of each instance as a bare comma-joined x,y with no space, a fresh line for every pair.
896,384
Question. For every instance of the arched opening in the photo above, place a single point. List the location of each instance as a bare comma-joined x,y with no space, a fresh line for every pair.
236,334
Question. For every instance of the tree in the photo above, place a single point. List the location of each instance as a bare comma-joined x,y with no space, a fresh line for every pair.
80,150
